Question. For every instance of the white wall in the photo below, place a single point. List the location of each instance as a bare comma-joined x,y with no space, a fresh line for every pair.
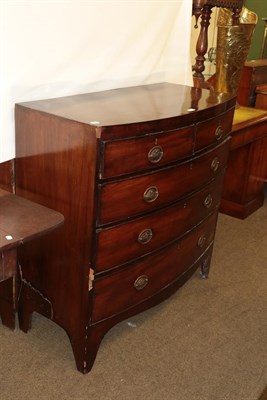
52,48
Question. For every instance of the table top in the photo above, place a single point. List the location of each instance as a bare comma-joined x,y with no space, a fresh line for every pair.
22,220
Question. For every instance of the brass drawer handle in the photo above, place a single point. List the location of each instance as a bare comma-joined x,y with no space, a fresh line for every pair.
151,194
201,241
155,154
141,282
208,201
215,164
145,236
219,132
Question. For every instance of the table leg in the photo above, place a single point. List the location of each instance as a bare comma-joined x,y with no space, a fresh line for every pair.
8,288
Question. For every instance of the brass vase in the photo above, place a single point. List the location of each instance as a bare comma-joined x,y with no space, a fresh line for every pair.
233,43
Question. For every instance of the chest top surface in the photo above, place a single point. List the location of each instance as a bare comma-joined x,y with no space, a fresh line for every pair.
136,105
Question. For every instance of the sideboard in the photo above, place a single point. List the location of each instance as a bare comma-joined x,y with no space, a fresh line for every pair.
137,173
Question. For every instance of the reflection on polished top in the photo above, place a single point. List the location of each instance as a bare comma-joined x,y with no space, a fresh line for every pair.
133,104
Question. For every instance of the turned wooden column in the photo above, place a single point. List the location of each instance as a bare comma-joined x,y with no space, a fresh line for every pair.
203,8
202,42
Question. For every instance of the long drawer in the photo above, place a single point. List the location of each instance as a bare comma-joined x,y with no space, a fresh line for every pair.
129,197
139,281
124,242
131,155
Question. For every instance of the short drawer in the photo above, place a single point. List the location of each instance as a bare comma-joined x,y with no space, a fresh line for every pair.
213,130
129,197
132,285
128,241
126,156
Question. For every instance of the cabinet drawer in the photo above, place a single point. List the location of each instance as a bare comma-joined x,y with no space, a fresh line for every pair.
126,156
139,281
133,196
128,241
213,130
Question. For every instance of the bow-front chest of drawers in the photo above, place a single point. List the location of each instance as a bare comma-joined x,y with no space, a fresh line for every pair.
137,173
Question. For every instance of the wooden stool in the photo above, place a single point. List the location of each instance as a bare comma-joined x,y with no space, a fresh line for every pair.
243,190
20,221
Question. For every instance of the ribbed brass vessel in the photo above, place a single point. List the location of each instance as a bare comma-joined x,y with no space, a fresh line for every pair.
233,44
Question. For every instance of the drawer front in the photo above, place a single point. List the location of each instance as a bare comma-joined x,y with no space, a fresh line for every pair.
137,282
213,130
130,197
126,156
122,243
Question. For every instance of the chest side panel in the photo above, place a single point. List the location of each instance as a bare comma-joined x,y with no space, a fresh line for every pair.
55,166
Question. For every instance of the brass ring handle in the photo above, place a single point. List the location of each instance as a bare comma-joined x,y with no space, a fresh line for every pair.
219,132
151,194
201,241
208,201
155,154
215,164
141,282
145,236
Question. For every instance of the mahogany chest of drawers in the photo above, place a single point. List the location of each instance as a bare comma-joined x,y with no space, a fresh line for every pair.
137,173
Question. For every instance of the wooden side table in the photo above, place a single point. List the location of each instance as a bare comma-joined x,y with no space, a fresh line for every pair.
20,221
254,73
